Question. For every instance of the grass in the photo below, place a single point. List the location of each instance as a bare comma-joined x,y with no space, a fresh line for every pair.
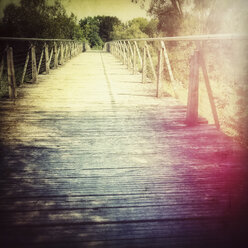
226,63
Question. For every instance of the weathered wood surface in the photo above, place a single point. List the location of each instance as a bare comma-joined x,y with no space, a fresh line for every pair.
90,158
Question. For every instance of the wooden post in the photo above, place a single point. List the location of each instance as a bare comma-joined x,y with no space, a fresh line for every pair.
61,54
50,58
134,60
128,57
160,71
25,67
66,53
151,63
47,60
1,66
124,54
138,51
131,53
34,66
144,66
70,50
167,61
11,74
209,90
192,106
118,49
41,57
55,52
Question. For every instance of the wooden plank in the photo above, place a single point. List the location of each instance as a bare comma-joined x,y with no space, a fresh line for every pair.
11,74
192,106
94,159
158,233
25,67
209,90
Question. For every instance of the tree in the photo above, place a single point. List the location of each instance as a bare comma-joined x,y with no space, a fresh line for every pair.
98,29
136,28
180,17
106,24
36,18
90,30
169,14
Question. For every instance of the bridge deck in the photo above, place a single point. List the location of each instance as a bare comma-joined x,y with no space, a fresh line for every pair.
90,158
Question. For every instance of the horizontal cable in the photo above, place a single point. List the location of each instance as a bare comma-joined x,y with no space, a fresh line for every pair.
35,39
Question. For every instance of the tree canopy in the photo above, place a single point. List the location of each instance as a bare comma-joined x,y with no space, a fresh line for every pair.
37,18
97,30
136,28
181,17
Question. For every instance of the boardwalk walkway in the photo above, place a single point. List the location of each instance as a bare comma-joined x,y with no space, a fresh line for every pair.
90,158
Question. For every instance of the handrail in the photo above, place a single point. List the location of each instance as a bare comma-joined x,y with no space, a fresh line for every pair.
122,49
192,38
37,56
34,39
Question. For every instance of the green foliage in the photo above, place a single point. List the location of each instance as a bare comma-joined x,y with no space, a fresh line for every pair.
169,15
187,17
106,24
90,29
136,28
97,29
35,18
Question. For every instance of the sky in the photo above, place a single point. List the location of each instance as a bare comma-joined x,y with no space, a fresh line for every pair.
124,9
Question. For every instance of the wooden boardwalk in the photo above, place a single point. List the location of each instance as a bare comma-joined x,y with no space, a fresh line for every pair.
90,158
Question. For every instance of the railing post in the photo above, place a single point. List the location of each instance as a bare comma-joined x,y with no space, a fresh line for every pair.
47,59
34,66
128,57
40,61
150,60
209,90
55,51
138,51
192,106
160,71
66,53
144,66
124,54
25,67
62,53
11,74
167,61
134,60
70,50
1,67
